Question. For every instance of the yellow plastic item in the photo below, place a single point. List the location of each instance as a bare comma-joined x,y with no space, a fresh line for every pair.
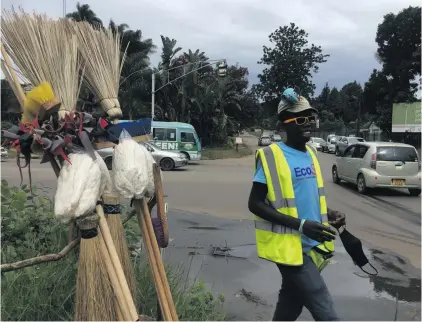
40,96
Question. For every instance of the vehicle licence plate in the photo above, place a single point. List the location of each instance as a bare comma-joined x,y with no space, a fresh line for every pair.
398,182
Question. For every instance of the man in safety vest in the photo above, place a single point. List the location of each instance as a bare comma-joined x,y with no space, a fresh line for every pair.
291,216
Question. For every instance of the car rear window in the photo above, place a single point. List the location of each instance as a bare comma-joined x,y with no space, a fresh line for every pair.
396,153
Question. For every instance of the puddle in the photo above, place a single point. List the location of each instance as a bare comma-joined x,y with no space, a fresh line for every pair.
397,278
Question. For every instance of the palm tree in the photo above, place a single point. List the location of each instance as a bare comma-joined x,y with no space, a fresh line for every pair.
85,13
134,85
168,51
117,28
133,38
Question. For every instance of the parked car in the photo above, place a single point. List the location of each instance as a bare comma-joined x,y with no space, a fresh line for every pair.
168,160
275,137
318,143
329,136
331,143
344,142
379,164
4,154
264,140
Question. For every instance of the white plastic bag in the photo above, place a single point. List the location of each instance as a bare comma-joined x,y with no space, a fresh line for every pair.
78,187
130,168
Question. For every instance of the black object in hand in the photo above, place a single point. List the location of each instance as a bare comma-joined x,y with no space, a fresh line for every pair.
354,248
318,232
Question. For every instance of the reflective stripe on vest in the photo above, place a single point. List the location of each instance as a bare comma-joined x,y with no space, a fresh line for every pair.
275,242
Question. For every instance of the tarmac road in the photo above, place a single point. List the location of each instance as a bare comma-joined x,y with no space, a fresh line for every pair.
386,218
212,236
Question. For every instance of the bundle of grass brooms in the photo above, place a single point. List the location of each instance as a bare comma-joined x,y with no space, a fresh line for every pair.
100,272
43,52
40,47
100,51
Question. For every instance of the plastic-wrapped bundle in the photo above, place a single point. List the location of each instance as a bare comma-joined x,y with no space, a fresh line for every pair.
78,187
130,168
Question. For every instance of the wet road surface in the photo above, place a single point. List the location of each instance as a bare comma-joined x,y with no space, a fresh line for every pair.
208,203
221,253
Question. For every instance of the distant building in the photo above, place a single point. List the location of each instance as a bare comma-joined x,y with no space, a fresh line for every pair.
371,132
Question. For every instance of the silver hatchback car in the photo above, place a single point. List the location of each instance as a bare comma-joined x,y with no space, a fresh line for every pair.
379,164
168,160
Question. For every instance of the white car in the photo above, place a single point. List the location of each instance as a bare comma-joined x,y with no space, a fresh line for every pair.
379,164
4,154
318,143
331,143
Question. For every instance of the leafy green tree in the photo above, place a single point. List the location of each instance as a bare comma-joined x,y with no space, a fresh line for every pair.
352,95
85,13
399,49
10,107
290,61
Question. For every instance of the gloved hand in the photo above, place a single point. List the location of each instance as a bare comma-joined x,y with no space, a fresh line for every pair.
336,218
318,232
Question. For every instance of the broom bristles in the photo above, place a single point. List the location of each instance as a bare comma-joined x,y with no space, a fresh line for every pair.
119,239
44,51
118,235
95,300
101,51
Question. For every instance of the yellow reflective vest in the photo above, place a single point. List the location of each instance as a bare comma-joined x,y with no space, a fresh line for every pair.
278,243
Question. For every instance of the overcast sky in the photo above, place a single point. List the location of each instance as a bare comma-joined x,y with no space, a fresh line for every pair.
237,29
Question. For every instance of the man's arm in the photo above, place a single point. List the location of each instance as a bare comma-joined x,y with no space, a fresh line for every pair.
260,208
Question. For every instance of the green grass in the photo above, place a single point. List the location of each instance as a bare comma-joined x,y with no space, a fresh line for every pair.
215,153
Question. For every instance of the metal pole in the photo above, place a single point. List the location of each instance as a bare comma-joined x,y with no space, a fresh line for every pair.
152,98
358,121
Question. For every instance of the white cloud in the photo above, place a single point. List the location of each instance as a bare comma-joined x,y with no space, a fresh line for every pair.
237,29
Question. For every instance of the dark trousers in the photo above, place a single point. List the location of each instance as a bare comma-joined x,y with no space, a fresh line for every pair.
303,286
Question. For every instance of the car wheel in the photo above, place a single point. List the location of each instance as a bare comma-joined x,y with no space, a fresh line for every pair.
337,152
334,172
187,155
414,192
167,164
109,163
361,184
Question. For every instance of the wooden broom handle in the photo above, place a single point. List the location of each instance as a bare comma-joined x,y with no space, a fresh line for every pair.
122,308
157,255
153,262
159,191
143,211
12,73
105,231
12,83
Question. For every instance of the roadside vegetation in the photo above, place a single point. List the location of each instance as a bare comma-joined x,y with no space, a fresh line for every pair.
227,151
46,292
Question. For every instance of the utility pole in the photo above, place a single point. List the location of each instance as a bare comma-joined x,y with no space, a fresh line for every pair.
64,8
358,120
152,97
359,101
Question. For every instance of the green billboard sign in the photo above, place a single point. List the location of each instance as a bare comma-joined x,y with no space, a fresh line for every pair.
406,117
